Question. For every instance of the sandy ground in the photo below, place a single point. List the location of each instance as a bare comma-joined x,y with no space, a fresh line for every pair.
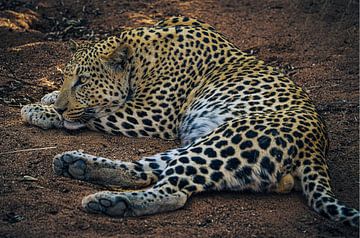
316,42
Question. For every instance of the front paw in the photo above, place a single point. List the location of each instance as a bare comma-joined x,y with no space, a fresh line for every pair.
43,116
50,98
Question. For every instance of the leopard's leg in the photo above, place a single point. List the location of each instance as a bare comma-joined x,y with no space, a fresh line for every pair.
90,168
178,181
43,116
211,162
145,202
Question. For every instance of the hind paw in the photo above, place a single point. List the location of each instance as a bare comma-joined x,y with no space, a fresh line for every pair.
71,164
109,203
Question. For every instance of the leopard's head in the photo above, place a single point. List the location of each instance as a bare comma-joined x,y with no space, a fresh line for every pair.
96,81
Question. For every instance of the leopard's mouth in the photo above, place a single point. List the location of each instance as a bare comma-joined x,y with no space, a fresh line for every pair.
76,119
79,119
71,124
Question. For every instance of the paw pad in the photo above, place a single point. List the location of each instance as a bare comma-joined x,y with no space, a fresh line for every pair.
70,164
106,202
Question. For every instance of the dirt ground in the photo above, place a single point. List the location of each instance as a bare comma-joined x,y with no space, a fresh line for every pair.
315,41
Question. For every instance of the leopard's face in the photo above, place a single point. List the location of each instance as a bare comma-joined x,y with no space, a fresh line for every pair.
95,82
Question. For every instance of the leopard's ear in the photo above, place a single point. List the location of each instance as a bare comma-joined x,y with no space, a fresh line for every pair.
73,46
118,57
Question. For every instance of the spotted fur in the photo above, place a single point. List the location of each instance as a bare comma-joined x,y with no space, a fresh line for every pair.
243,124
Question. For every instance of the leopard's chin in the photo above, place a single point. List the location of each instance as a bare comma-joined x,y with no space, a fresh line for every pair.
71,125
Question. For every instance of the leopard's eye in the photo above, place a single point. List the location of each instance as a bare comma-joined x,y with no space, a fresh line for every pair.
81,80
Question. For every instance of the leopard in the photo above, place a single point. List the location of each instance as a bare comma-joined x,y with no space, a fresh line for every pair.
243,125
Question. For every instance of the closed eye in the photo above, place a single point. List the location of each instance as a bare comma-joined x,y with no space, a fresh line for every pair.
82,79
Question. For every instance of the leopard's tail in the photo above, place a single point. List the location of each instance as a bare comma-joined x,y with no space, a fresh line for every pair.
315,183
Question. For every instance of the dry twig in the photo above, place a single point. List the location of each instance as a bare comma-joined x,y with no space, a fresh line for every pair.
26,150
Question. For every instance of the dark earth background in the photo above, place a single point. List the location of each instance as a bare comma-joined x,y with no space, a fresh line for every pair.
314,41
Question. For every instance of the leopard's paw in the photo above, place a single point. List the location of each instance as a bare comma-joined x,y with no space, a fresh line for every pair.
71,164
109,203
50,98
43,116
